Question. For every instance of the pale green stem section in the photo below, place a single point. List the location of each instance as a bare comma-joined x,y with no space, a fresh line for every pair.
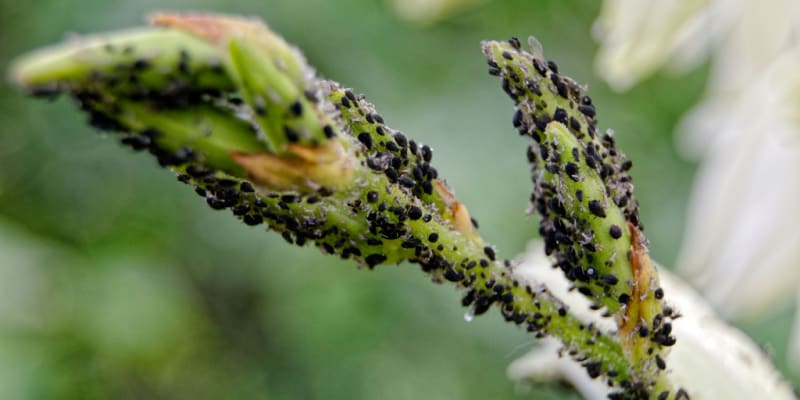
157,54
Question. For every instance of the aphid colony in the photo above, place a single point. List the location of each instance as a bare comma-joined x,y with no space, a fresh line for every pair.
396,208
577,174
387,151
489,282
584,195
196,111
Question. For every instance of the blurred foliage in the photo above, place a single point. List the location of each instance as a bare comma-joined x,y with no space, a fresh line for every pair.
118,282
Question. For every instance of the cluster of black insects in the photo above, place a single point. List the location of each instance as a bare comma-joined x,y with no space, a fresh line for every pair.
402,161
565,234
410,193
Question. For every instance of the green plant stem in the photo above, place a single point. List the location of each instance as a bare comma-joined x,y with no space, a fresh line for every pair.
590,220
237,114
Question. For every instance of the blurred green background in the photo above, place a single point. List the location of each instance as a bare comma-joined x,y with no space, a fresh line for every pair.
117,282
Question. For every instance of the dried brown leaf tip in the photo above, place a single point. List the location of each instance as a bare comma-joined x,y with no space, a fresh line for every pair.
214,28
456,212
645,325
309,169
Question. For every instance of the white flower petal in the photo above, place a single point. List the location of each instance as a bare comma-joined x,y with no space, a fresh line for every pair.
757,38
714,360
741,242
639,36
544,365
